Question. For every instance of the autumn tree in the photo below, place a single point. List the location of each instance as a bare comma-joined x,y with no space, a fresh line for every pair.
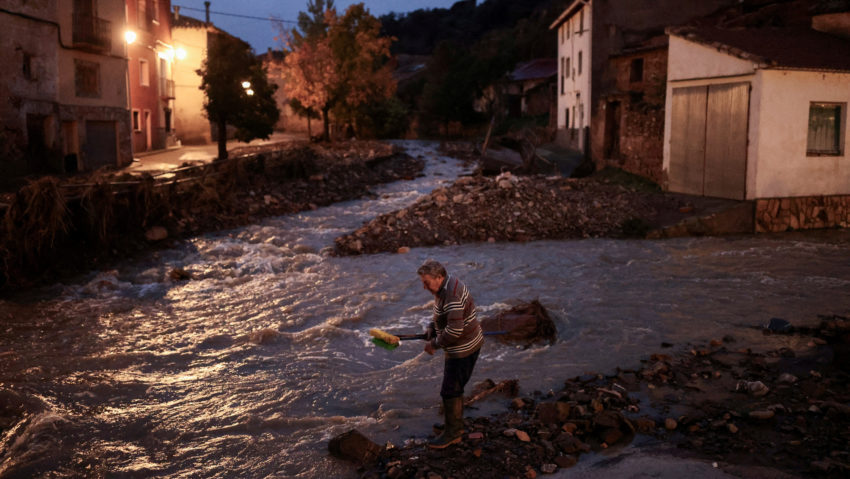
237,90
338,64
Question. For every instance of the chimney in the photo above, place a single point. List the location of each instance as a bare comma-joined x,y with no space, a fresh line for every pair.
207,7
176,12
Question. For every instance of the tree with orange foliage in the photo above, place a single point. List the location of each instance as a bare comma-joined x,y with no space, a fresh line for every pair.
337,64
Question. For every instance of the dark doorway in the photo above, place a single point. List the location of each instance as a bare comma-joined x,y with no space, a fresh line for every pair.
612,130
37,151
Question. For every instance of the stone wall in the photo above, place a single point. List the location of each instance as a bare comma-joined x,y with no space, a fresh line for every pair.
809,212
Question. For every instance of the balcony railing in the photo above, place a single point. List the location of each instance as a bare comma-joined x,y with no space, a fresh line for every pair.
166,88
92,33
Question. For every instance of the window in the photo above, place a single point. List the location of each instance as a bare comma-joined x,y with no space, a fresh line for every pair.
26,67
579,63
87,79
137,122
574,118
636,70
144,73
581,21
568,67
825,128
567,117
563,74
568,28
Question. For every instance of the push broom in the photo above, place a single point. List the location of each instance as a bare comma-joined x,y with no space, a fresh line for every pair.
392,341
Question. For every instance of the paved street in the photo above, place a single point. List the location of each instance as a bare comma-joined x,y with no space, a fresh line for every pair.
163,160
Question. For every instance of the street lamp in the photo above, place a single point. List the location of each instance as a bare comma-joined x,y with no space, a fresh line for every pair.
129,36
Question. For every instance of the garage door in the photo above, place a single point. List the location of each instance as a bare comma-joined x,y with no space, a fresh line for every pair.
101,144
708,141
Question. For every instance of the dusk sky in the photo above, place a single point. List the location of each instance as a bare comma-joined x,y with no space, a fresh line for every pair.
261,33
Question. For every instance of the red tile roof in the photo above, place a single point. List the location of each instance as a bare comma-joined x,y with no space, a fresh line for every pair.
790,48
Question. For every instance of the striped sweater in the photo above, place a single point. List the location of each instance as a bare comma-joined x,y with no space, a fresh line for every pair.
455,320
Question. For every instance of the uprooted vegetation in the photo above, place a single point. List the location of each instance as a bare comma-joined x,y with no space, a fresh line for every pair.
52,228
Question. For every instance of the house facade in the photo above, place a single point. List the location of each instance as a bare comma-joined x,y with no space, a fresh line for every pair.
589,33
151,56
761,114
190,36
64,89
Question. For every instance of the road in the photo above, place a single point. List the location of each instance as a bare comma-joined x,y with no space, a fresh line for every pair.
164,160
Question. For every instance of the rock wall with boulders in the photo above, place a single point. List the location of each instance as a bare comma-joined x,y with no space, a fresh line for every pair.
809,212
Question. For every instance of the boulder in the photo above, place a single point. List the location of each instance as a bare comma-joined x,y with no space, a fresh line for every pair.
526,323
355,447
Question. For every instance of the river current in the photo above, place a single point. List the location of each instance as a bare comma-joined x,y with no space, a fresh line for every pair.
251,367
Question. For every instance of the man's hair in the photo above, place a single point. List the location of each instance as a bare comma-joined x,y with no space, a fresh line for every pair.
432,268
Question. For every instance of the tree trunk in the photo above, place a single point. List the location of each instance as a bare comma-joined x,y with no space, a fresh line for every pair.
327,134
222,138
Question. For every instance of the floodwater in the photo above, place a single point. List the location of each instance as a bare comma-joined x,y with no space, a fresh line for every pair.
249,369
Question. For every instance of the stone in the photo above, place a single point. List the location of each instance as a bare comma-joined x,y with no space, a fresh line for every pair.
530,473
403,250
157,233
522,436
644,424
475,436
732,428
761,414
548,468
510,432
517,403
611,435
355,447
565,462
670,424
569,427
553,412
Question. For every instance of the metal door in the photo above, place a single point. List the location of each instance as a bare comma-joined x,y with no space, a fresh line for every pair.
101,144
708,140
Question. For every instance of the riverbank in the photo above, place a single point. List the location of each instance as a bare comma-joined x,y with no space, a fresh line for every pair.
54,228
750,409
519,208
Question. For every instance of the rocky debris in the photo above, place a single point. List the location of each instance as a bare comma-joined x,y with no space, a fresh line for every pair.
518,208
55,227
689,398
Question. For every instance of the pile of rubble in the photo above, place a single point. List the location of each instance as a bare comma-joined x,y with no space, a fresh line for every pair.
517,208
786,410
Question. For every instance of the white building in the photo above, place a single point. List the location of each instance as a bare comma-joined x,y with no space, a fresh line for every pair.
573,90
761,115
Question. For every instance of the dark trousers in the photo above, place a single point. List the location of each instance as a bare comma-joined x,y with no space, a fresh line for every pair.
456,373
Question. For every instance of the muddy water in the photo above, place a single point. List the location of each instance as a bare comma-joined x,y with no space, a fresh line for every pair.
250,368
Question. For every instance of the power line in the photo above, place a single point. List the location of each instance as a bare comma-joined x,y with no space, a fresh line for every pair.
237,15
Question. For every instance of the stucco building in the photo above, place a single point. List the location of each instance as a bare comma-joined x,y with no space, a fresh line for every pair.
151,56
63,94
190,36
761,114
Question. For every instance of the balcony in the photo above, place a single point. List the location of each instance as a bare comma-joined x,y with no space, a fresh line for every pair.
92,33
166,88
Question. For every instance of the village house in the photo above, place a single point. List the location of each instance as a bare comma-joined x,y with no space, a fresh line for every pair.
600,112
190,36
761,114
151,57
64,86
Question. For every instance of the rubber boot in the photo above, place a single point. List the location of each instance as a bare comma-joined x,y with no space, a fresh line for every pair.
453,432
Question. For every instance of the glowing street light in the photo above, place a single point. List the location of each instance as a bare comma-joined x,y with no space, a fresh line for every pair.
246,84
129,36
180,53
249,91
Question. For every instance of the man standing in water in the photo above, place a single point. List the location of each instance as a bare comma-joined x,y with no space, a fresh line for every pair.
457,331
